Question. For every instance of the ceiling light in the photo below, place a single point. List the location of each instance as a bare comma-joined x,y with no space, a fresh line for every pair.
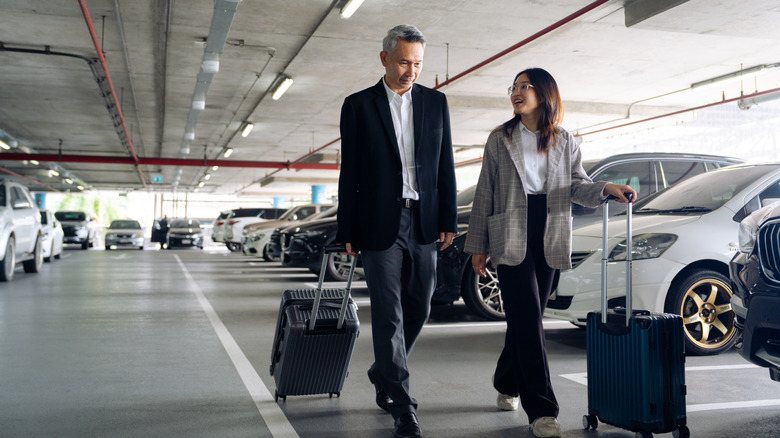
68,180
185,150
737,75
247,129
228,152
4,145
80,187
35,162
210,63
282,87
189,136
350,8
199,105
201,184
215,168
207,176
53,172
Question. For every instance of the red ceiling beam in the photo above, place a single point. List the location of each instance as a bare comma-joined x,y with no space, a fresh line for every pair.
141,161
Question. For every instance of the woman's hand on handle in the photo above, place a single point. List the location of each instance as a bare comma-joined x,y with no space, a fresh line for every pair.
619,191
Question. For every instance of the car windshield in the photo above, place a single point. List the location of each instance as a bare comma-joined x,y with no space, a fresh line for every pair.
185,223
702,193
125,225
466,196
70,216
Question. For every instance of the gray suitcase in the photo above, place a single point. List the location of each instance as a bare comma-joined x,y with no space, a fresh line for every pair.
311,355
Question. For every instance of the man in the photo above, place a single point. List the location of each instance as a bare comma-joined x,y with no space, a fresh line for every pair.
396,199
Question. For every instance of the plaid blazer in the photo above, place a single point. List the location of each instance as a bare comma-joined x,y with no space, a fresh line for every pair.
497,226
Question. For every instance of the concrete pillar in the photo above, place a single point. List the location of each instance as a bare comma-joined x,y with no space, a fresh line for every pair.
318,195
278,202
40,200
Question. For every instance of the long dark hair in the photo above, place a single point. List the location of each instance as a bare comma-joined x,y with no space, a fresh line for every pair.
550,108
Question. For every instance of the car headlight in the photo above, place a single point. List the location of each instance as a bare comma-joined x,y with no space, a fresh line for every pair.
747,233
645,246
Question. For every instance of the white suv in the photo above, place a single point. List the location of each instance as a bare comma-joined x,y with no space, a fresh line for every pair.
20,230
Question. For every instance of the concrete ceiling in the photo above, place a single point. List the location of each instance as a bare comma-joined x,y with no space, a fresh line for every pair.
51,104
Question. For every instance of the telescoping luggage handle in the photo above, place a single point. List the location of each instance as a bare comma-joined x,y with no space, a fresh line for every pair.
318,294
605,256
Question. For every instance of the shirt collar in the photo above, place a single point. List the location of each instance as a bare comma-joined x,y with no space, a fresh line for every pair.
392,95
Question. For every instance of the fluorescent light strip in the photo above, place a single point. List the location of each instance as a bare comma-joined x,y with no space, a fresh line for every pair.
286,83
350,8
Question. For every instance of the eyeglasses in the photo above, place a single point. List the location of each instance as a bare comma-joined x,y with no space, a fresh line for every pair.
525,86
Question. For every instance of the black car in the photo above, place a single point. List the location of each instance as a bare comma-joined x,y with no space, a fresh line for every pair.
184,233
302,247
755,275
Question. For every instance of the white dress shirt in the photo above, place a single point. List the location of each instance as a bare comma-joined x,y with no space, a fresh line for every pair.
403,124
535,162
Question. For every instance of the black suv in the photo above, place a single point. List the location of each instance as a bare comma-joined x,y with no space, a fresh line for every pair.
755,274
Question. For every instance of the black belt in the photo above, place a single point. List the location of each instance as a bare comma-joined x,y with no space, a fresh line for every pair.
407,202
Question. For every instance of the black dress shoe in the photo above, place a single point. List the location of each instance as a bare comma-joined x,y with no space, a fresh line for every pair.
382,399
406,426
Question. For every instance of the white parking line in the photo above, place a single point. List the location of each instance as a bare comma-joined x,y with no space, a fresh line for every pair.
274,418
582,378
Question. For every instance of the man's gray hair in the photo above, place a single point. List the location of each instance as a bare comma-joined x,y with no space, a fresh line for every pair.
406,32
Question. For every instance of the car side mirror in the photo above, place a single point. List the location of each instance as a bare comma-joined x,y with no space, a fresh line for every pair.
21,203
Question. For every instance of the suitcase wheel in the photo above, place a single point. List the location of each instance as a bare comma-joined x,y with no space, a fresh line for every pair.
338,394
590,422
682,432
277,396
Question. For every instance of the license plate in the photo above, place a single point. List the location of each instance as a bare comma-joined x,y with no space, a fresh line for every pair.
186,241
125,241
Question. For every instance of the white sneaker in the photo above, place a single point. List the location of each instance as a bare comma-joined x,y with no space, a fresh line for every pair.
546,427
507,402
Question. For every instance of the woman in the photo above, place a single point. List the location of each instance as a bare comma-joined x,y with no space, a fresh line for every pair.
521,218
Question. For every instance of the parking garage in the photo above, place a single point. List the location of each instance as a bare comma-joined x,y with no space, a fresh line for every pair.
166,109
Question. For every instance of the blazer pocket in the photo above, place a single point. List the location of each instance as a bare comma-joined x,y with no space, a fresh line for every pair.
497,234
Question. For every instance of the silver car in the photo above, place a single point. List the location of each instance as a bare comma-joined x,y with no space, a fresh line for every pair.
125,232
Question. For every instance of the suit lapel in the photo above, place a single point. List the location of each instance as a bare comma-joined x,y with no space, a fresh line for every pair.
553,159
383,108
418,113
516,154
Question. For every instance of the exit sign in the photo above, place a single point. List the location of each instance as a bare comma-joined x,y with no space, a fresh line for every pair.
157,179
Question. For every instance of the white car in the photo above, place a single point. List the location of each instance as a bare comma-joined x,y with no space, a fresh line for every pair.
218,227
124,232
234,228
258,236
51,236
683,240
20,230
79,227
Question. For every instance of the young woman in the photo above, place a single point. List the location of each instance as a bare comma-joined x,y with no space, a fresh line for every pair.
521,219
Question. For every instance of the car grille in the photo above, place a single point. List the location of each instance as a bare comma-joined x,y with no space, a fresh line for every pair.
578,257
769,250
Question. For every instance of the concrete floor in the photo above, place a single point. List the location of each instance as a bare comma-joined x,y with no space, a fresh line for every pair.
177,344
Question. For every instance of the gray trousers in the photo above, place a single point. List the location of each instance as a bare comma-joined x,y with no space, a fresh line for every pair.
400,283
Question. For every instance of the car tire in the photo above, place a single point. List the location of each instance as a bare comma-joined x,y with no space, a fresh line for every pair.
141,248
85,244
267,255
9,261
337,267
34,265
703,298
50,258
59,254
108,247
483,295
233,247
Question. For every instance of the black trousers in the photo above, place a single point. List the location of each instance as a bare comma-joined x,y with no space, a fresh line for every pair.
400,283
525,288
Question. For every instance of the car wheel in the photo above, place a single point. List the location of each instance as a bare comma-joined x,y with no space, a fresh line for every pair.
338,266
108,247
9,261
703,299
85,244
50,258
482,295
141,248
267,255
233,247
34,265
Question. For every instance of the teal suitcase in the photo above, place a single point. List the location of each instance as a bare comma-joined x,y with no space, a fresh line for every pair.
635,363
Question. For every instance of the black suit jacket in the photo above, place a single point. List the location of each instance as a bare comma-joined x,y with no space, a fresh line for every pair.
370,182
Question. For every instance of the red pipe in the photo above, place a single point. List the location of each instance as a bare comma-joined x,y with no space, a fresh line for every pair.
104,64
190,162
30,180
749,96
533,37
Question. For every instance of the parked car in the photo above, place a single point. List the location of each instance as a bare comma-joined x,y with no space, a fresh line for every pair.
79,227
302,247
125,232
183,233
683,241
218,227
257,236
21,239
52,236
243,216
647,173
755,274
